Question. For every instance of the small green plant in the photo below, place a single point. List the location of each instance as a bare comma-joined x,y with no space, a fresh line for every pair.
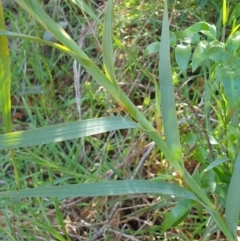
217,58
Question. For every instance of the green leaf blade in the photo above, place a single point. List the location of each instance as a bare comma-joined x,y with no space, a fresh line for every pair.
65,131
105,188
5,76
233,197
169,116
108,56
183,54
177,214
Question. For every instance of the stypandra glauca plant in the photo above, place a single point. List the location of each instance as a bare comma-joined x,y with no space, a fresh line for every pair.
220,56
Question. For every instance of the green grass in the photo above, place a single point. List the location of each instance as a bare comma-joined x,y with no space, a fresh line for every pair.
43,94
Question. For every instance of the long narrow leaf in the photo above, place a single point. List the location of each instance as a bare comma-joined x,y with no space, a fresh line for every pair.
106,188
65,131
84,7
5,86
108,56
224,12
233,197
5,77
221,224
169,116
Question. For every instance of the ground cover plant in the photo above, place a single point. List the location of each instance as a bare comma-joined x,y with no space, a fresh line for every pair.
122,127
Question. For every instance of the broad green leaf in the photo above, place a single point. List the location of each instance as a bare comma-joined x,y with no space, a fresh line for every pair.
177,214
182,55
65,131
169,116
204,28
198,55
105,188
173,38
215,51
230,78
209,182
233,42
233,197
217,54
187,36
152,48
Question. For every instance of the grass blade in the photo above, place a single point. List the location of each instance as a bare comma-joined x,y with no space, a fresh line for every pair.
5,85
84,7
224,12
169,116
220,222
105,188
65,131
108,56
233,197
5,76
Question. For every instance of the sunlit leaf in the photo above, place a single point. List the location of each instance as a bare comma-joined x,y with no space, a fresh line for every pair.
224,12
5,76
107,44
